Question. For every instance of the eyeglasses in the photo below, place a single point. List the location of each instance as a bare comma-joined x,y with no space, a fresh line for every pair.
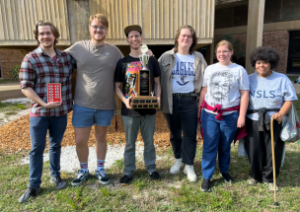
102,28
223,52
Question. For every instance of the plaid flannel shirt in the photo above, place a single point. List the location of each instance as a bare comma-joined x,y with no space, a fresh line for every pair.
38,69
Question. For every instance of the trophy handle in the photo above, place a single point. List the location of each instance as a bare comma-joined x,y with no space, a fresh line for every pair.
147,56
134,91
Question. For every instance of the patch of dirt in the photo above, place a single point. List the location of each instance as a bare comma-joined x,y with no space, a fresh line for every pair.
15,135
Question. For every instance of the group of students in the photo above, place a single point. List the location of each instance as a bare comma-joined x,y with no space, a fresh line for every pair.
232,106
228,103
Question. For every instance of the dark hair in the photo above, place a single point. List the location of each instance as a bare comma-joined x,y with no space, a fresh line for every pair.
265,53
53,29
192,48
130,31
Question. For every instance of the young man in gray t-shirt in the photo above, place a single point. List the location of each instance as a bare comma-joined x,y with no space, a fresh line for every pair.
94,95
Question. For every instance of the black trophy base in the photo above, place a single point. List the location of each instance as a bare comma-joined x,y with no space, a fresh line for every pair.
144,102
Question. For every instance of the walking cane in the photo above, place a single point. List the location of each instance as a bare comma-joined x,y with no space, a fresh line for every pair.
273,161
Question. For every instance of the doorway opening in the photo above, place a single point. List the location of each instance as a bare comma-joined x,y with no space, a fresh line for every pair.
294,53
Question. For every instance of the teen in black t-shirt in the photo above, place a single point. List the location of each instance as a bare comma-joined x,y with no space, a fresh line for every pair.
126,73
137,119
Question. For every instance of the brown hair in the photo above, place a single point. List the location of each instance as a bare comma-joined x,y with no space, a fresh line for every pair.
192,48
53,29
102,18
224,42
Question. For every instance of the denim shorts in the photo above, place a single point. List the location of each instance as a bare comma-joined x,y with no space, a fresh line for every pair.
87,117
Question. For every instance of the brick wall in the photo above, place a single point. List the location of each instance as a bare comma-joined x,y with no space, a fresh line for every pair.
279,40
10,58
14,56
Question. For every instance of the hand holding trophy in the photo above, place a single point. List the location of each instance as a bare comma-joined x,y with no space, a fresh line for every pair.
144,95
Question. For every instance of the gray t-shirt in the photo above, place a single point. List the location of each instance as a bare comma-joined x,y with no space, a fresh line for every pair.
224,84
269,92
95,74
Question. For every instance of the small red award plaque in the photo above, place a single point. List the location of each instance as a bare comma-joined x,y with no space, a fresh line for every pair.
54,92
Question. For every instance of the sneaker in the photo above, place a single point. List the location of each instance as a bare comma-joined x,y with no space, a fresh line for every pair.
125,180
227,178
271,186
190,172
205,186
102,177
59,183
80,177
175,169
30,192
252,181
155,176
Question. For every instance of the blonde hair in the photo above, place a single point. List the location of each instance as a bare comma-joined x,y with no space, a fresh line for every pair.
224,42
102,18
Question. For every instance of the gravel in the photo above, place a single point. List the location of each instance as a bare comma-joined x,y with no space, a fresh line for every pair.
5,118
18,100
69,160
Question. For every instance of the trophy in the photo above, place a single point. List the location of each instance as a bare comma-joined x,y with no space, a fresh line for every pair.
144,94
144,58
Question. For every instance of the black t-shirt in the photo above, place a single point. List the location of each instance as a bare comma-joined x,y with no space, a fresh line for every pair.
126,70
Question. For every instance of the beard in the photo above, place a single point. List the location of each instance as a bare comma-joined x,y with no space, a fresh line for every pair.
47,46
102,37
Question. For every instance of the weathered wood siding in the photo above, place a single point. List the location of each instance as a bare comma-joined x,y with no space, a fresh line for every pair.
18,18
159,18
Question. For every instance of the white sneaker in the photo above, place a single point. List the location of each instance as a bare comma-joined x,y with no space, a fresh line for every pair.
175,169
190,172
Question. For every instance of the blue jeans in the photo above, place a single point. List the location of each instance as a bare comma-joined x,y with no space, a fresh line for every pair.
183,119
217,136
38,131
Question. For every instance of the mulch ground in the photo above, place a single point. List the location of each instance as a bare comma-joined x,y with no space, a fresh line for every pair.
15,136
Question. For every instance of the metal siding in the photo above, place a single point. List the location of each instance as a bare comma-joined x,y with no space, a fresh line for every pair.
159,19
18,17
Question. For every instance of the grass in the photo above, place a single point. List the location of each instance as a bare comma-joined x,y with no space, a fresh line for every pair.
5,81
12,108
172,193
293,78
297,105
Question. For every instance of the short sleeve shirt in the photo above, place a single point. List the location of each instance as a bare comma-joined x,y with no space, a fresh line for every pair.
183,75
224,84
126,71
269,92
95,74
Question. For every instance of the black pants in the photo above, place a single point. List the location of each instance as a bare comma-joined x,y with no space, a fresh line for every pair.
183,119
259,149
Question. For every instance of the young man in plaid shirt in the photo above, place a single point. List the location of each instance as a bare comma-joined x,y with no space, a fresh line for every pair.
44,65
